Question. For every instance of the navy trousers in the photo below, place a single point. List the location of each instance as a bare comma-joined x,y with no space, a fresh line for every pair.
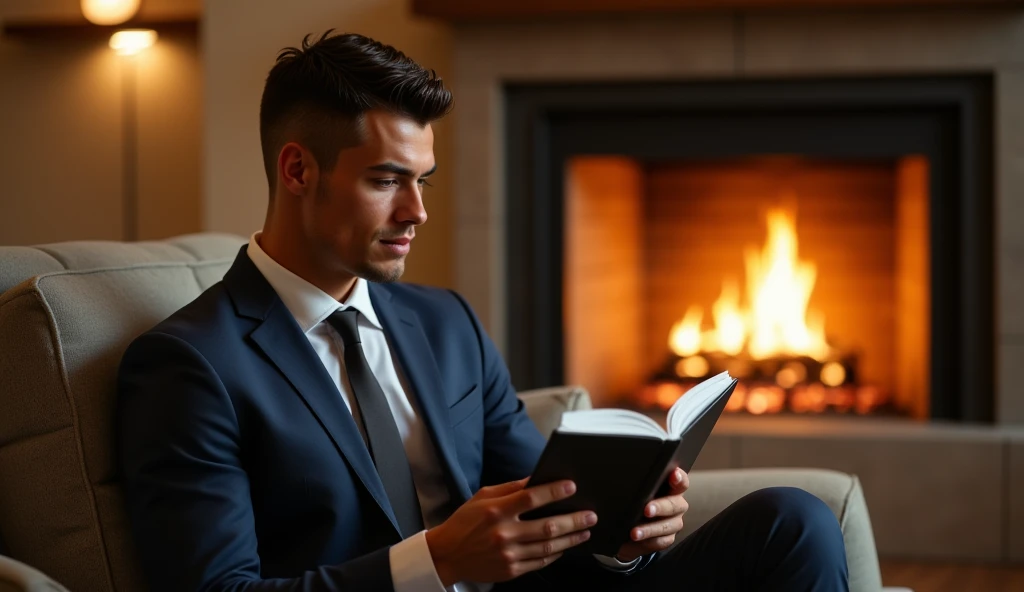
776,539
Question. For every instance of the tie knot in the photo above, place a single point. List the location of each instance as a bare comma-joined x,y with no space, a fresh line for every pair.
345,322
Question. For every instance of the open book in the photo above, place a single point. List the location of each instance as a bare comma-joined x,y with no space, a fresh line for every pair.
620,459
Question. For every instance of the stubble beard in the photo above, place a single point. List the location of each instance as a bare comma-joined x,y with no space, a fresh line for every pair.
382,274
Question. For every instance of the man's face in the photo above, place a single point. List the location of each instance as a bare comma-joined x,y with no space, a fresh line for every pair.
363,218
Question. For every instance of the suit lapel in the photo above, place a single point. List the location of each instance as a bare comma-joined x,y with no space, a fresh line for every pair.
278,336
406,336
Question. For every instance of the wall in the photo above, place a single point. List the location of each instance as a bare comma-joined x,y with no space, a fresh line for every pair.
61,100
241,39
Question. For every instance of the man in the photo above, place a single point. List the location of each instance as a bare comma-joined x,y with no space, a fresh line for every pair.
309,424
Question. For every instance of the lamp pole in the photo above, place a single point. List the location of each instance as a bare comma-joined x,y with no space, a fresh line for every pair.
129,150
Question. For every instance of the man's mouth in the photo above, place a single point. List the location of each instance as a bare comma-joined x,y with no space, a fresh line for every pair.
399,247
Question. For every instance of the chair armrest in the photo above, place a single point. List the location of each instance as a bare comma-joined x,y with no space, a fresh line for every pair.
18,577
545,406
712,491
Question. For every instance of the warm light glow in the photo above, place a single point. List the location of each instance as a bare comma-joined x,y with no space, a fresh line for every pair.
109,12
811,398
132,41
684,339
757,402
790,375
692,367
666,393
833,374
765,399
738,398
777,321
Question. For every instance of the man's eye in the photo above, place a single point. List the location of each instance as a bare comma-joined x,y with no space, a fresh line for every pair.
424,183
386,183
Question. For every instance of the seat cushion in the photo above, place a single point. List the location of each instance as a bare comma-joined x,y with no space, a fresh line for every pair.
62,335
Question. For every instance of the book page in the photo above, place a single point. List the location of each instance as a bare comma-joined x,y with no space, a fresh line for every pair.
620,422
693,403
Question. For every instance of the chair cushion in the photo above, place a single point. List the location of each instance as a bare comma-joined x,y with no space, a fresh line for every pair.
62,335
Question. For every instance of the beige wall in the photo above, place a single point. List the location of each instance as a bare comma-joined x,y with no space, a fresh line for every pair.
60,119
240,40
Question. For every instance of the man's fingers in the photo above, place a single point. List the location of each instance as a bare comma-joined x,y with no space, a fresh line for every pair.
502,489
540,495
553,546
659,544
679,481
529,565
666,506
668,526
544,529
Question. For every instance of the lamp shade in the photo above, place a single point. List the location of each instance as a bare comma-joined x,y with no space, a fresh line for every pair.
109,12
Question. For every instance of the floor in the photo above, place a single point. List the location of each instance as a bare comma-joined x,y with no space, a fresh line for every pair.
947,577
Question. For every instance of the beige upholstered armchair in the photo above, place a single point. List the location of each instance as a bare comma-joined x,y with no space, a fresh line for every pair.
68,311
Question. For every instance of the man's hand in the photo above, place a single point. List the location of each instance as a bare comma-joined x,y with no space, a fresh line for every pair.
484,540
658,535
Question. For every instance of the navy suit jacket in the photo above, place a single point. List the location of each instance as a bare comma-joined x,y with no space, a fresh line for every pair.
244,470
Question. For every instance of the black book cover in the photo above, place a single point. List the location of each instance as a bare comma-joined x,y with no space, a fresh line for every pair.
617,475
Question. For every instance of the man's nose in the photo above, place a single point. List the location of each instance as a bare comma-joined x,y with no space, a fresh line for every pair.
411,210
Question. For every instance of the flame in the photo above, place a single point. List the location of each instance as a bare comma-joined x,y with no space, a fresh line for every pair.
777,321
685,338
730,327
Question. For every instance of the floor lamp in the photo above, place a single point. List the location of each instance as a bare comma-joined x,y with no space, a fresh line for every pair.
128,44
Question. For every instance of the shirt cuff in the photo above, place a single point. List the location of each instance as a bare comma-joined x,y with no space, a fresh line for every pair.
614,564
412,567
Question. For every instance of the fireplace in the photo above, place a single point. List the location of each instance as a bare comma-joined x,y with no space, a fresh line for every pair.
826,240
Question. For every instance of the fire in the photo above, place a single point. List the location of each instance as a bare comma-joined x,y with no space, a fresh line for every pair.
777,321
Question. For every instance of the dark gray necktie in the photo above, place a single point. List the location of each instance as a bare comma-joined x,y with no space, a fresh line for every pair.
384,441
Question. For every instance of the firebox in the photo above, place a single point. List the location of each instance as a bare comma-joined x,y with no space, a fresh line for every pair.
826,241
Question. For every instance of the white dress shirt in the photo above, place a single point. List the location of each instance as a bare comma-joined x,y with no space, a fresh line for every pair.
412,567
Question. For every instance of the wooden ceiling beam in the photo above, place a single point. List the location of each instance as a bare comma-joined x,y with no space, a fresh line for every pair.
484,10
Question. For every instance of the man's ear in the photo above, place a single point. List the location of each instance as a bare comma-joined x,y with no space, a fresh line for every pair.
296,168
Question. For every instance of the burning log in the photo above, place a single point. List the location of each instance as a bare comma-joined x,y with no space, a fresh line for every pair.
798,384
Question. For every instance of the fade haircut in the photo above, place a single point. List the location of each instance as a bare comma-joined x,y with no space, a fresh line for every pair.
316,95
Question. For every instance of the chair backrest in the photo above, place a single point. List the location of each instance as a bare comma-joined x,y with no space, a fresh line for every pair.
67,313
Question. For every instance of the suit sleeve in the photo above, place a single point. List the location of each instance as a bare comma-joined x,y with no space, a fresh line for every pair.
186,490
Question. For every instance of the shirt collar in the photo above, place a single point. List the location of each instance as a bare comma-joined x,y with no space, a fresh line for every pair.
307,303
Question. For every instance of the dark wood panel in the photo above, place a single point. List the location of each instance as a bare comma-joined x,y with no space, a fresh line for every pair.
461,10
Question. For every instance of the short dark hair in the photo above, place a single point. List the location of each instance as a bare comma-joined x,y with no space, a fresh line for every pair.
320,90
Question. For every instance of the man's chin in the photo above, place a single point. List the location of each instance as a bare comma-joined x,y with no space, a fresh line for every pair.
384,274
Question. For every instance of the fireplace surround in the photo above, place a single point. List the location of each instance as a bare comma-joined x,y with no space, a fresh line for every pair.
944,119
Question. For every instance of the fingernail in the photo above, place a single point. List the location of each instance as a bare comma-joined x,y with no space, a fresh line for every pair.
651,509
584,535
569,488
590,519
638,534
